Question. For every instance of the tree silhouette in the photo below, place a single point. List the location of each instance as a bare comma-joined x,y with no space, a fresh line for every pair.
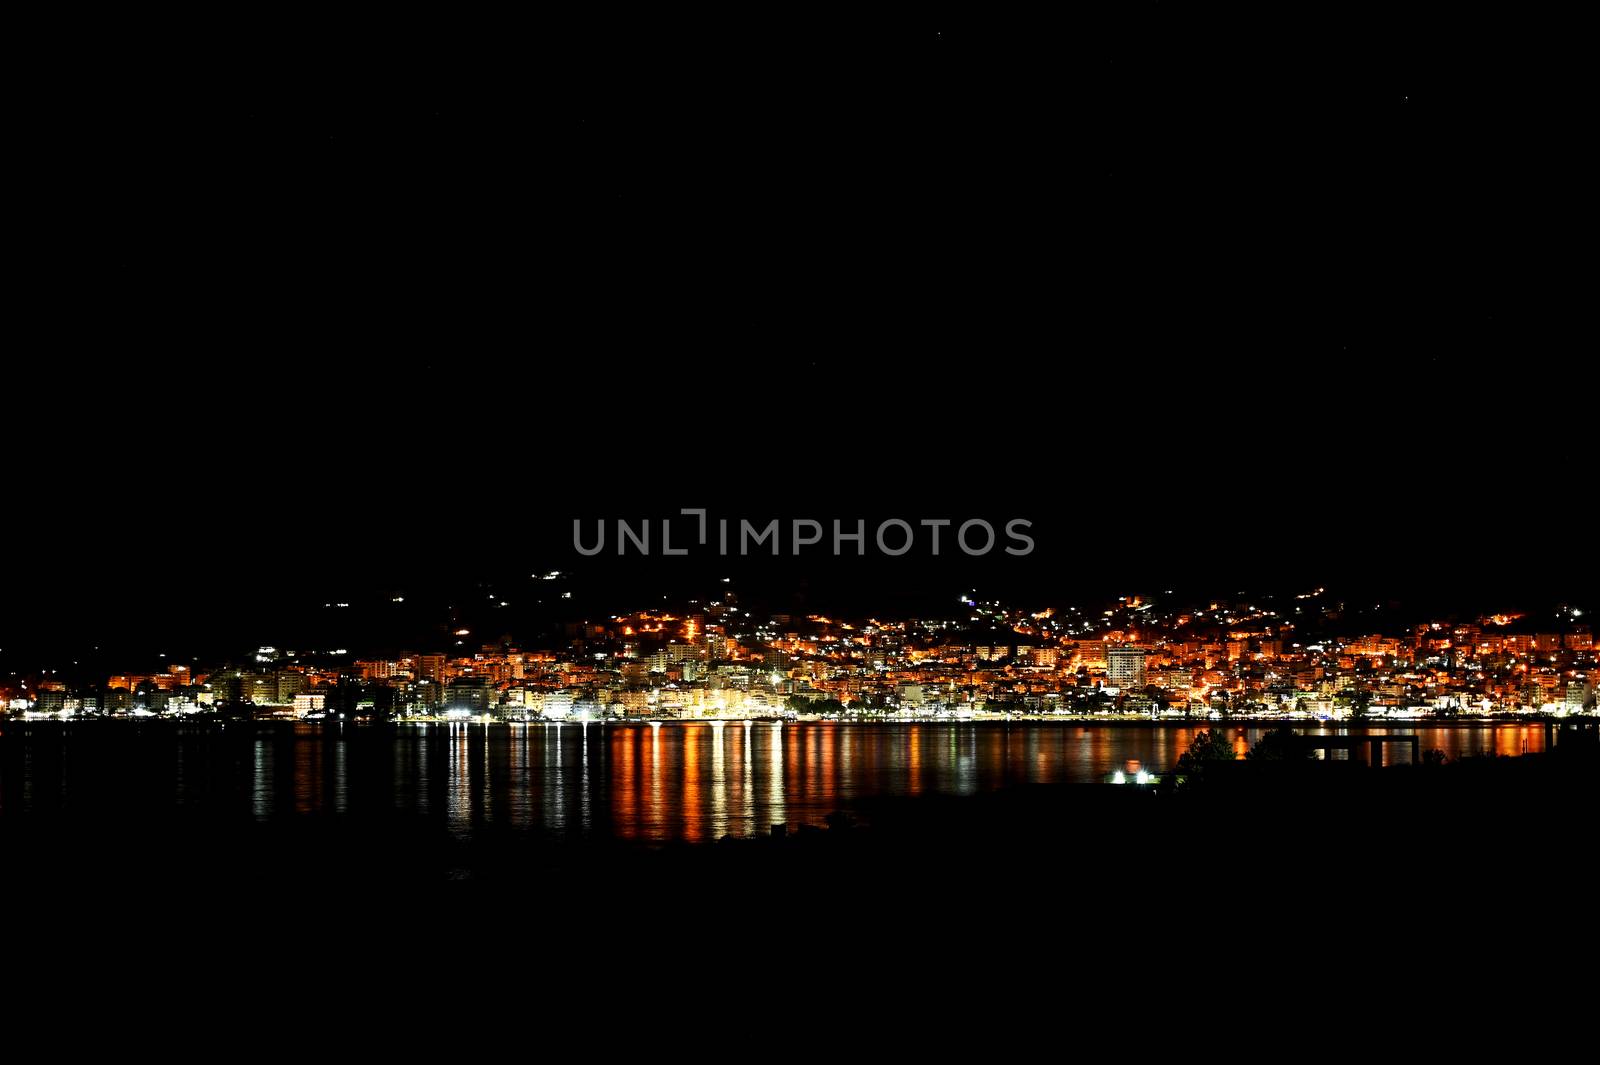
1282,744
1208,746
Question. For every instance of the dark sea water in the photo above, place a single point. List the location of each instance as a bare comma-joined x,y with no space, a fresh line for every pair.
635,782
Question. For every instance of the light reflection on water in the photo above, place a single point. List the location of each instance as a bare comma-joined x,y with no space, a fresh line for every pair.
649,782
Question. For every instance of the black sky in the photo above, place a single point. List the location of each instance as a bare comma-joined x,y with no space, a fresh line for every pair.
1218,305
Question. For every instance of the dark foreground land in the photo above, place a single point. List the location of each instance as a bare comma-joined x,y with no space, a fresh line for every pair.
1478,827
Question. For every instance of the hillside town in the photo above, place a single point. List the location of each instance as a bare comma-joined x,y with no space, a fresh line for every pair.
1138,657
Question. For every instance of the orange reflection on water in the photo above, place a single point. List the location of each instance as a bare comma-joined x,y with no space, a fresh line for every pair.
1041,763
693,792
828,760
657,783
814,737
793,773
1101,745
1526,739
307,770
914,761
625,783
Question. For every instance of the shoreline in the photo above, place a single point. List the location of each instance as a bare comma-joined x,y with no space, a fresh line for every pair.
1476,721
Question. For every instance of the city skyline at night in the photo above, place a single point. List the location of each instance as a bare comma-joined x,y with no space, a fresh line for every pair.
1154,454
1314,655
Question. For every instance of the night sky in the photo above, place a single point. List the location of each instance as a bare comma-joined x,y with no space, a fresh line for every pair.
1211,305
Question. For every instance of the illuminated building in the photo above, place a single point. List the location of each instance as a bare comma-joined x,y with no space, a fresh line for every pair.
422,696
259,688
1125,666
467,693
682,652
431,667
557,705
1580,693
1374,646
50,702
290,684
